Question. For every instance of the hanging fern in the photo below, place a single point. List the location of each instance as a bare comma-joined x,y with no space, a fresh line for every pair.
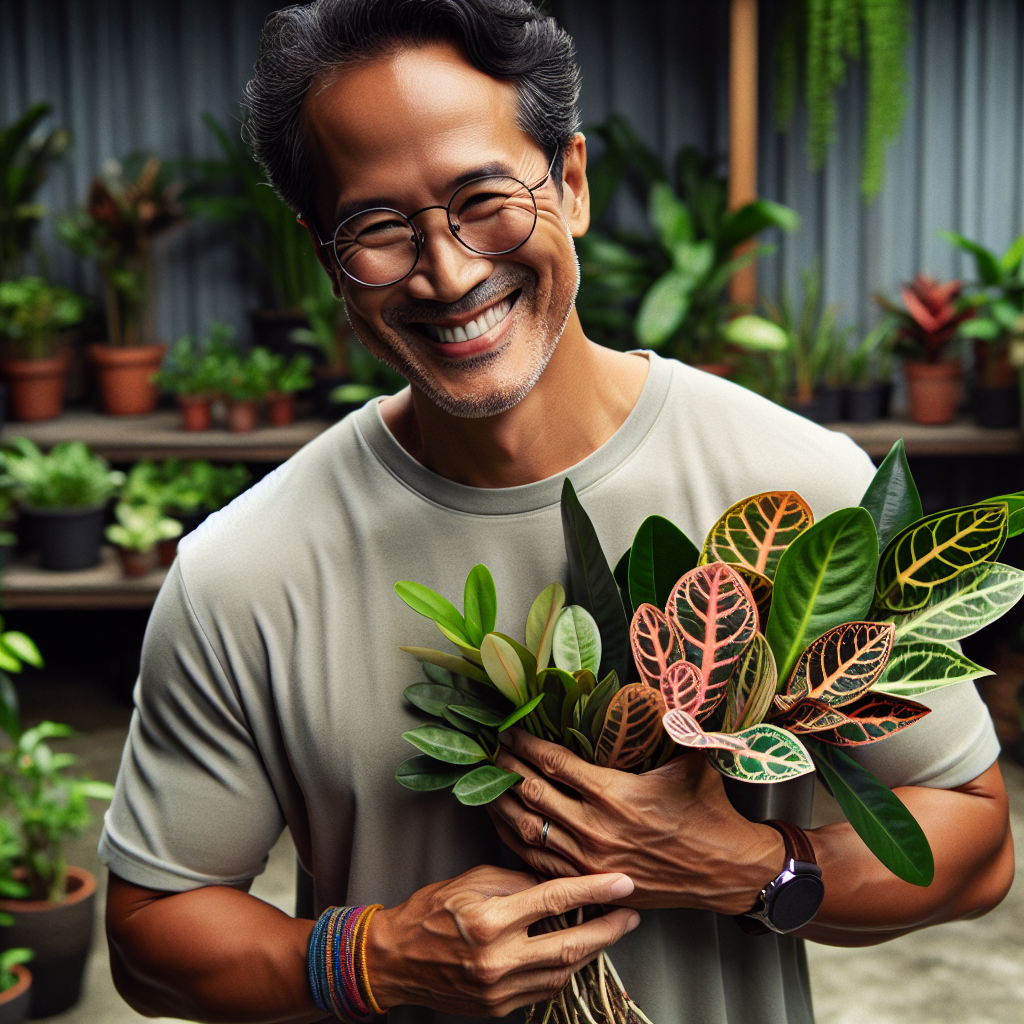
827,33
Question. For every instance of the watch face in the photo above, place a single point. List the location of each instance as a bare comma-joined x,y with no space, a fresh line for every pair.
795,902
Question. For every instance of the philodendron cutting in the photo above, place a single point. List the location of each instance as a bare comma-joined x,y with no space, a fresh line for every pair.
774,647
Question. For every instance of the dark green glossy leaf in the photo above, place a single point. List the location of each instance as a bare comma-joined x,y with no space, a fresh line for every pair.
470,726
592,718
891,497
484,716
480,602
660,556
438,675
424,773
9,717
592,584
445,744
520,713
877,815
585,747
430,697
825,578
484,784
621,575
920,666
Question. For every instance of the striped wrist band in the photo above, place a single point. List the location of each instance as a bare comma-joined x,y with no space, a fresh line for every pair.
338,977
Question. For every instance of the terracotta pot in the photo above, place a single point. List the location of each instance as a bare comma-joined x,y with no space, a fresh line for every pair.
137,563
934,390
37,387
281,410
60,934
718,369
195,412
242,416
16,1002
126,377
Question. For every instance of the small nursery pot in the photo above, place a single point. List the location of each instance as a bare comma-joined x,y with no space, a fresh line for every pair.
997,407
37,387
137,563
242,416
126,377
66,538
865,404
16,1002
60,934
281,410
832,405
934,390
195,412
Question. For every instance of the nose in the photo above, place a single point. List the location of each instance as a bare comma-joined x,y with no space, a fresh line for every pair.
446,269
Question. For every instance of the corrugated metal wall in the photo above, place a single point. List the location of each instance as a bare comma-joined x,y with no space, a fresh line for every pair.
128,74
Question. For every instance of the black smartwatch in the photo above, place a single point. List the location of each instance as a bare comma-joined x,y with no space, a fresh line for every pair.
792,899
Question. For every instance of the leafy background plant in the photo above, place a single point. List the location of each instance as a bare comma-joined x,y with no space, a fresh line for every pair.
69,476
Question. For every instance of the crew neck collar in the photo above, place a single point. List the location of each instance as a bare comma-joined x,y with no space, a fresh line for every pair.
526,497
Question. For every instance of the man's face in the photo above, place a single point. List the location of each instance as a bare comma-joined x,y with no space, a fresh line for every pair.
403,131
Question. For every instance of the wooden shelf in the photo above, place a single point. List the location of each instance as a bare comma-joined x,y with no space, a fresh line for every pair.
963,437
159,435
25,585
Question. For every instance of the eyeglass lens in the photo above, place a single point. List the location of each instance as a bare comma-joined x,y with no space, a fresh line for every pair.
490,216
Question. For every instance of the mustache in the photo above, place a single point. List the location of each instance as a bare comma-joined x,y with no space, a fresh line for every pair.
502,282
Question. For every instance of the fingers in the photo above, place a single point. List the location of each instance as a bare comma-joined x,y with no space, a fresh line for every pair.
580,944
545,862
558,763
562,894
537,793
529,826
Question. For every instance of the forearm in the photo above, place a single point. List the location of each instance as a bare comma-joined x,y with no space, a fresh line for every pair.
969,834
213,954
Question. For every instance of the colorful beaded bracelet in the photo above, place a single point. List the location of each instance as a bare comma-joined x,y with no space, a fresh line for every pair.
338,978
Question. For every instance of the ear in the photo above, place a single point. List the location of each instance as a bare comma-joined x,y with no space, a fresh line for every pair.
323,255
575,190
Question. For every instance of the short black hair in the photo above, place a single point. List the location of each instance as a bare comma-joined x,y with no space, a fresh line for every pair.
508,39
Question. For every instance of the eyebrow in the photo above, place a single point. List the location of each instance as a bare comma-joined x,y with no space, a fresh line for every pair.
346,210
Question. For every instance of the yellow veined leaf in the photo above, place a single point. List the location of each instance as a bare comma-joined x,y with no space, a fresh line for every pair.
755,531
540,622
843,663
505,670
751,689
761,591
632,727
449,661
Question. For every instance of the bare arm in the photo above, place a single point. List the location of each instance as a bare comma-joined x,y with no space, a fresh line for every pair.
686,847
220,955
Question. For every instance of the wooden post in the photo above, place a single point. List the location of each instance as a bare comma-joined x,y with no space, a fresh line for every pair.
743,131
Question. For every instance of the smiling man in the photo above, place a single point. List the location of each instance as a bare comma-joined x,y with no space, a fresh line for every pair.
431,148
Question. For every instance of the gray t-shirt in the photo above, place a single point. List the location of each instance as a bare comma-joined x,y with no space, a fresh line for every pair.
271,686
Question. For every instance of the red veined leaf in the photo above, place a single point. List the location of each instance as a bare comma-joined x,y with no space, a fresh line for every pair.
873,717
684,730
712,612
683,687
782,703
771,755
809,715
760,590
843,662
631,730
755,531
654,643
752,686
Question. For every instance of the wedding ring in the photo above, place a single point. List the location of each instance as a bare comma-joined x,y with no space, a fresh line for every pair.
544,833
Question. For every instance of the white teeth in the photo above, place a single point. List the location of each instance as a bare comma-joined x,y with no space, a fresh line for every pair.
459,334
472,330
481,325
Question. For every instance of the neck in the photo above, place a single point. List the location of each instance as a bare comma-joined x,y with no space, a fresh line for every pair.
583,396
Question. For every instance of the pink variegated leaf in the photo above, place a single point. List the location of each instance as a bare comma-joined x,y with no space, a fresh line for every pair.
630,733
655,645
683,687
686,731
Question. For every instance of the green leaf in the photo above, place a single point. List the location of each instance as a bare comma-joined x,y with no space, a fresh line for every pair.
576,643
1015,504
660,556
693,260
934,550
983,327
448,745
469,652
434,606
430,697
520,713
504,668
956,609
592,585
877,815
919,666
621,574
480,603
825,578
586,748
752,219
449,662
9,712
475,713
424,773
22,647
986,262
94,789
755,334
751,689
8,663
663,308
771,755
601,696
670,217
1013,256
540,623
892,497
484,784
438,675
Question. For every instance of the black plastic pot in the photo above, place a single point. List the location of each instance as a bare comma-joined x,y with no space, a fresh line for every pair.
997,407
833,404
16,1002
61,935
865,404
792,800
811,410
66,538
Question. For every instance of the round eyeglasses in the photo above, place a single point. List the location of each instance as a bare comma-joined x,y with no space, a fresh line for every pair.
492,215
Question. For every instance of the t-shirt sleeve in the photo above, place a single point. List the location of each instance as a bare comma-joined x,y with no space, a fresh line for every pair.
193,805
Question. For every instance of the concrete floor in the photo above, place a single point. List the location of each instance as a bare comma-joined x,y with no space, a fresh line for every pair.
970,972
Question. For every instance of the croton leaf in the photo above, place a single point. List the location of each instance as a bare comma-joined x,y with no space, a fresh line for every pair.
480,603
654,642
872,717
825,578
934,550
755,531
713,614
972,599
592,584
484,784
771,755
760,590
632,727
686,731
920,666
891,498
684,687
1015,504
450,662
842,663
877,815
752,686
424,773
808,715
448,745
540,623
576,642
504,668
434,606
661,553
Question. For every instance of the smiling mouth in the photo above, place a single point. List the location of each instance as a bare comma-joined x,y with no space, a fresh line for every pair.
481,324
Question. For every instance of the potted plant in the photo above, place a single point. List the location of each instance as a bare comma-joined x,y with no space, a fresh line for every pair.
136,534
128,208
284,379
244,382
33,318
193,372
867,376
330,335
927,323
63,497
15,985
998,299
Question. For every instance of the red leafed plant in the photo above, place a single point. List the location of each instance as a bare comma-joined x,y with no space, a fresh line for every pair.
932,312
